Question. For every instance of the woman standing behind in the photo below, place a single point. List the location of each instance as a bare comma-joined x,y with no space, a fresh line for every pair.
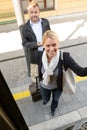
50,70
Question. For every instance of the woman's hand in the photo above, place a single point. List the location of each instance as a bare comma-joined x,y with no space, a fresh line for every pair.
39,44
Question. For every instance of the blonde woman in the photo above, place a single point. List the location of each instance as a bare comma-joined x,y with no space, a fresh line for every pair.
50,69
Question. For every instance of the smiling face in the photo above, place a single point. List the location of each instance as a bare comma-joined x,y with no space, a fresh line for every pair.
51,44
51,47
34,13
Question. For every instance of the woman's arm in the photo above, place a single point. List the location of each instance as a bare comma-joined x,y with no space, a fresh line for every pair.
69,62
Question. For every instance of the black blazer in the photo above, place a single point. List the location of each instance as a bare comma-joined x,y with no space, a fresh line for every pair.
68,62
29,39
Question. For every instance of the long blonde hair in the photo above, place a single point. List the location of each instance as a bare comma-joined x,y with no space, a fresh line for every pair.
49,34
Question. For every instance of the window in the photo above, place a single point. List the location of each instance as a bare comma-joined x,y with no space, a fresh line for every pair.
45,4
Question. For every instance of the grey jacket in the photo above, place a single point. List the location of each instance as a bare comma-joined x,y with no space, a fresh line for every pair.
29,39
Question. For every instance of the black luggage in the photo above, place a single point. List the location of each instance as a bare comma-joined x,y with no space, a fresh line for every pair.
35,91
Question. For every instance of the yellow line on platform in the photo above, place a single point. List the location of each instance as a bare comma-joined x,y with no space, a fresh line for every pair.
25,94
78,78
21,95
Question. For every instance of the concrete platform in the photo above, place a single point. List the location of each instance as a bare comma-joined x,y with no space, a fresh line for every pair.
72,31
71,109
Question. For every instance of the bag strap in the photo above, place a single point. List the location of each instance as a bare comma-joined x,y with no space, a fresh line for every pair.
37,83
62,61
60,75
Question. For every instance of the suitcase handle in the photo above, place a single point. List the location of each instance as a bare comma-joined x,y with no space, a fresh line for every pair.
37,81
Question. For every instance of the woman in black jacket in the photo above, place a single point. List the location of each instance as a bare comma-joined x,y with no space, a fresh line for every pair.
50,69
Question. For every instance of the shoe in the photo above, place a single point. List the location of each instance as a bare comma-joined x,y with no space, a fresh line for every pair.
44,103
52,113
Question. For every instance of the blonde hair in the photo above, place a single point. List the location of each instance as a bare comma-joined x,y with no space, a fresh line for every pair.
49,34
33,4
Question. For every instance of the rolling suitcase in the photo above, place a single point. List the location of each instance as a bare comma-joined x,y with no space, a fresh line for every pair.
35,91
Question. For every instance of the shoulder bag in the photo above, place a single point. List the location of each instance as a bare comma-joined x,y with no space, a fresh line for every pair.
69,83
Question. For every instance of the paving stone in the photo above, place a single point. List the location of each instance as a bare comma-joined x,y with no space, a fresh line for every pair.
24,108
83,112
67,98
36,117
83,86
47,116
69,107
46,109
26,118
80,96
61,100
62,109
83,104
25,100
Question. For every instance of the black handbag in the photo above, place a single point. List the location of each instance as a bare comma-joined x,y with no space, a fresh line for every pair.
35,91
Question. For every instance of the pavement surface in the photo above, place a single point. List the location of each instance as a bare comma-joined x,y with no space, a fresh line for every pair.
72,32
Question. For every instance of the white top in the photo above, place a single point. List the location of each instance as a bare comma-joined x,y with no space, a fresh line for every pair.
37,28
